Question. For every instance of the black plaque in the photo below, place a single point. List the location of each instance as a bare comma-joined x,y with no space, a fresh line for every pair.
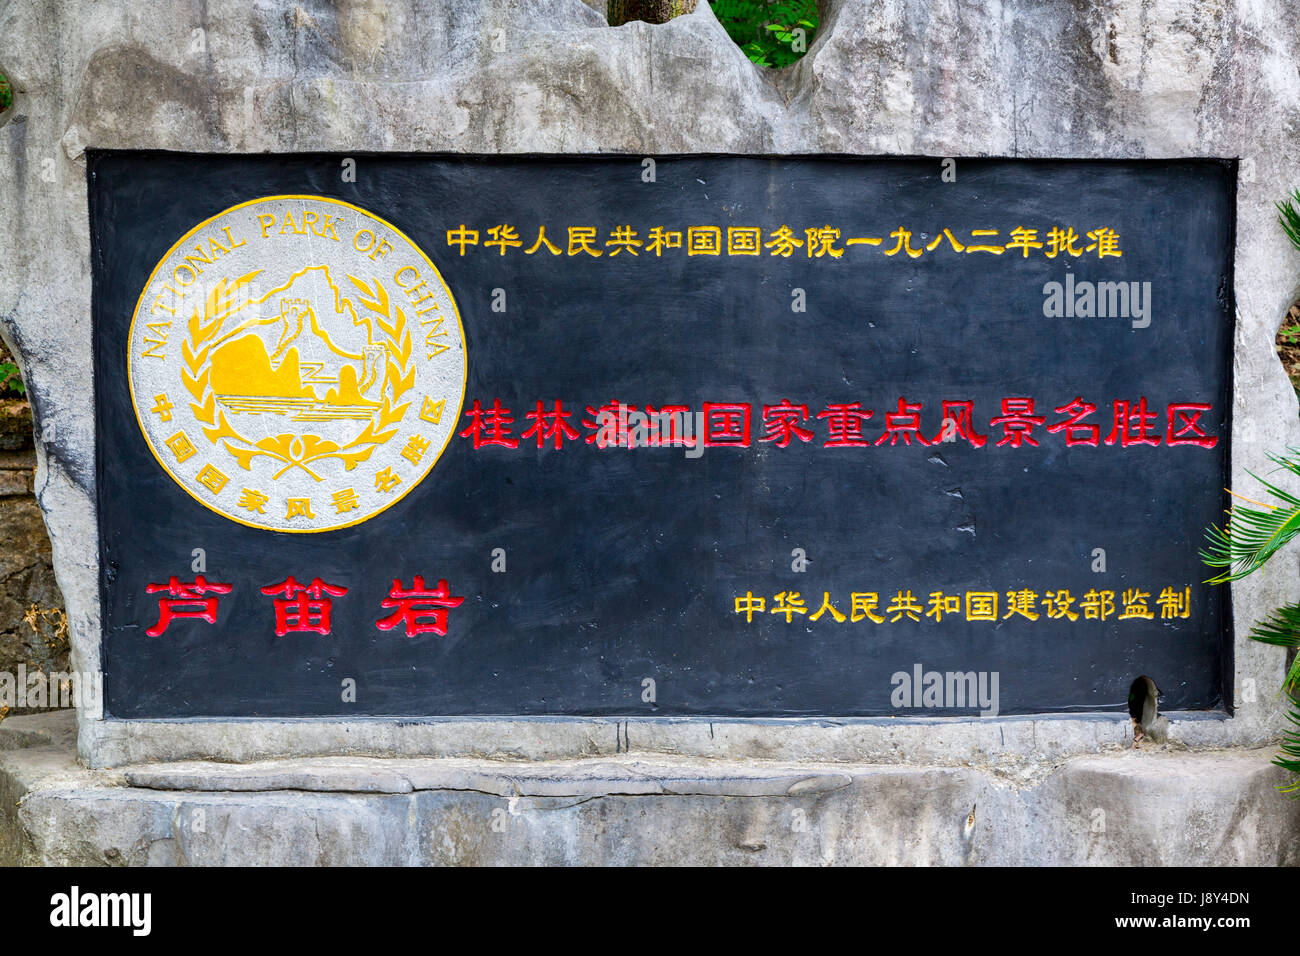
627,565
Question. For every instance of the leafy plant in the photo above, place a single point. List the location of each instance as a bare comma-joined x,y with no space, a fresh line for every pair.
773,33
1289,216
1246,542
11,381
1250,537
6,93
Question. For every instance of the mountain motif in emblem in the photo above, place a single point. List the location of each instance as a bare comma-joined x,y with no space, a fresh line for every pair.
296,364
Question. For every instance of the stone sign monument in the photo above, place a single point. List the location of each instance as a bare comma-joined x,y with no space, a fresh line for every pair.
472,433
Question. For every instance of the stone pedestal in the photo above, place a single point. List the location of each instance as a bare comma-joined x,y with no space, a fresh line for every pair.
1121,807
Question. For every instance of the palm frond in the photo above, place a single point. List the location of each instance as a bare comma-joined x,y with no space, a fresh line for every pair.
1289,217
1253,535
1291,748
1282,629
1248,539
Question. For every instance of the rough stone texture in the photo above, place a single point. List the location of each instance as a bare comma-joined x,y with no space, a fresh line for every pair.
1119,78
1211,808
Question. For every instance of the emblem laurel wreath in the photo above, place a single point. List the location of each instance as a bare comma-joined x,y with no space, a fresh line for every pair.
295,450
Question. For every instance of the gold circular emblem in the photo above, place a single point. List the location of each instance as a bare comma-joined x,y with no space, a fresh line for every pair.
296,363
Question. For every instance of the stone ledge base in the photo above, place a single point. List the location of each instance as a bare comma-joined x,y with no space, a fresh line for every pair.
1199,808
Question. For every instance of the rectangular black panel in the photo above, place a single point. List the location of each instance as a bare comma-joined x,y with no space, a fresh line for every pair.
1043,347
